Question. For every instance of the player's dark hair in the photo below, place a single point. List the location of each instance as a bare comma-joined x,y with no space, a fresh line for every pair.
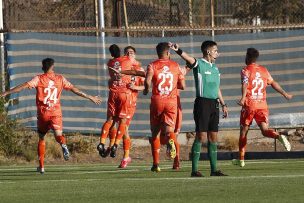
161,48
114,50
252,55
47,63
206,45
129,47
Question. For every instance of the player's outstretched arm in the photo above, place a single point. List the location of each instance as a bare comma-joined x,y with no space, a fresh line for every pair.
129,72
223,104
184,55
94,99
280,90
134,72
15,89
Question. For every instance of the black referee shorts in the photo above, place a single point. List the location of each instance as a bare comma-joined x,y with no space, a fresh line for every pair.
206,114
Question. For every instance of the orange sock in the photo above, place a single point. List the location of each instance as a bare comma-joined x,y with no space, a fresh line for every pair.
177,146
60,139
120,132
172,136
105,131
242,146
126,147
155,146
164,139
113,133
271,133
41,152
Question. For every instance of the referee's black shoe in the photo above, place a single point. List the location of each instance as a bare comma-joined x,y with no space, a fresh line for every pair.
217,173
196,174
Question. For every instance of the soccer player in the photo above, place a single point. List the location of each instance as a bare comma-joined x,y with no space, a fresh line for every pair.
119,100
135,86
49,86
206,106
164,75
178,124
255,79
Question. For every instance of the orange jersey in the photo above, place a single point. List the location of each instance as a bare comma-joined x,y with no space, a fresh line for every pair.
136,80
166,74
257,78
49,87
118,83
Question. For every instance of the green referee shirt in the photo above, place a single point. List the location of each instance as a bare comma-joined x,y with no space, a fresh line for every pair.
207,79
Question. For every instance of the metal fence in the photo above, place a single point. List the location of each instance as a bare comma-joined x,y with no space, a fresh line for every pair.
218,16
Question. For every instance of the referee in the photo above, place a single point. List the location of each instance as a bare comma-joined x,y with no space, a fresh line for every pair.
207,103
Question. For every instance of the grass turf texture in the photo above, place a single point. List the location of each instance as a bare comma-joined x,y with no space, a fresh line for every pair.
258,181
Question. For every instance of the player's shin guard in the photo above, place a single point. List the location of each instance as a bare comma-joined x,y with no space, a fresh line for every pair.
113,133
212,152
120,132
60,139
126,147
177,146
195,154
271,133
176,164
41,152
242,146
155,147
105,131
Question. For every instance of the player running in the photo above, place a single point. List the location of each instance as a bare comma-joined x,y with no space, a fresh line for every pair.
255,79
49,87
178,124
164,74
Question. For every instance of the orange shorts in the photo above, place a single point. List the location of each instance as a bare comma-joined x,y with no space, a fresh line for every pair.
47,122
119,104
259,115
131,114
163,111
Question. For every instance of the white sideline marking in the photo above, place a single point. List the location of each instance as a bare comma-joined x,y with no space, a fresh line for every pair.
146,167
156,179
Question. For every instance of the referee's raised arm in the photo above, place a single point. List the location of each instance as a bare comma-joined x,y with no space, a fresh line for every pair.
189,59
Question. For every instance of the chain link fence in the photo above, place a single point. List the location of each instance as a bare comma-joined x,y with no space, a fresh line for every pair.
154,17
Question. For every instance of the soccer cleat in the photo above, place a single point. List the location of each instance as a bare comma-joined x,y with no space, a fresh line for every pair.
237,162
101,149
107,152
171,150
65,151
124,162
285,142
40,170
155,168
196,174
113,151
176,165
217,173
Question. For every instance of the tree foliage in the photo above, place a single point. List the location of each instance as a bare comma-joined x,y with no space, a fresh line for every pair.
278,12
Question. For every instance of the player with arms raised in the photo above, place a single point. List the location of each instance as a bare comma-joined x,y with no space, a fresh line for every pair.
49,87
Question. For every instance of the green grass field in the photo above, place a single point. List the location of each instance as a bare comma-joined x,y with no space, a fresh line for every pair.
258,181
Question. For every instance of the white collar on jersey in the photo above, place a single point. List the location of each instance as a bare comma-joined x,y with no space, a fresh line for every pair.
207,61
